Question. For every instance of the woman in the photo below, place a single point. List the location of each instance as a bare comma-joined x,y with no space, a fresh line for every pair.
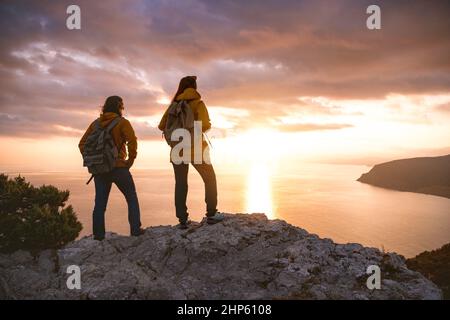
124,138
187,91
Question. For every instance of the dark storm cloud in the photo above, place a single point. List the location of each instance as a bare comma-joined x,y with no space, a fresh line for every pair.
246,54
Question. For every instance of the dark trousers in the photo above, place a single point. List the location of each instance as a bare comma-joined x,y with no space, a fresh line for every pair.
124,181
208,175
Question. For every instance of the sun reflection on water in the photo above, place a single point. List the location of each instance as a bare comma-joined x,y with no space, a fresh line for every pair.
259,191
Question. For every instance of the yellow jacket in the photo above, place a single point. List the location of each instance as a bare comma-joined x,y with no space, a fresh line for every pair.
200,112
122,134
198,108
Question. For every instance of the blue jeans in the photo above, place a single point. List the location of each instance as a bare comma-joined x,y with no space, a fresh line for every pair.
124,181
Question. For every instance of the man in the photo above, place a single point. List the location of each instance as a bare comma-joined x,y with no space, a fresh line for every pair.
124,138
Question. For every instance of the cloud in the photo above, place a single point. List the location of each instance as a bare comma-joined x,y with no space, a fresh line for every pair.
302,127
445,108
253,56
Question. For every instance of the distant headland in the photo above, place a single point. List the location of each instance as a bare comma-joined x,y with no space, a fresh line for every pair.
428,175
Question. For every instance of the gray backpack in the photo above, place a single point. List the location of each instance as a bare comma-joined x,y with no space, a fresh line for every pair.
100,152
179,115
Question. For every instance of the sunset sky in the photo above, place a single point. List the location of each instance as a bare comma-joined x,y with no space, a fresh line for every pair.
296,78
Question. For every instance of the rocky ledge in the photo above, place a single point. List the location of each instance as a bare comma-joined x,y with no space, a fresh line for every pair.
244,257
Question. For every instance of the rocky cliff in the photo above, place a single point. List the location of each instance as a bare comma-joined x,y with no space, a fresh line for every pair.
245,257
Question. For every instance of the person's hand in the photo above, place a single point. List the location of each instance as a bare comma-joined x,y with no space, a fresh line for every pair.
130,163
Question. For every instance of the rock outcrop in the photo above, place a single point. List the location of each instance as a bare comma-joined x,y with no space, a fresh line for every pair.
429,175
244,257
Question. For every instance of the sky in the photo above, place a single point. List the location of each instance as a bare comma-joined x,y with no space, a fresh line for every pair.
303,78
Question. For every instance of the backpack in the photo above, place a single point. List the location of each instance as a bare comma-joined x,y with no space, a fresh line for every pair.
100,152
179,116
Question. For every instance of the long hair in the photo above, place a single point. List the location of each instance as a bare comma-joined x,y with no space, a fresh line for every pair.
112,104
185,83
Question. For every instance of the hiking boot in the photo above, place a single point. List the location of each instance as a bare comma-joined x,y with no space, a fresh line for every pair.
184,225
217,217
139,233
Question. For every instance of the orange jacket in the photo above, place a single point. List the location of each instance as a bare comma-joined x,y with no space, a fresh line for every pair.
123,136
198,108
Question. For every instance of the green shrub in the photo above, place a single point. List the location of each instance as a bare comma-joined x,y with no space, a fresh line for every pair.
33,218
434,265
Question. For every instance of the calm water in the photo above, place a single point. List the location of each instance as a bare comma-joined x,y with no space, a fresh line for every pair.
323,199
